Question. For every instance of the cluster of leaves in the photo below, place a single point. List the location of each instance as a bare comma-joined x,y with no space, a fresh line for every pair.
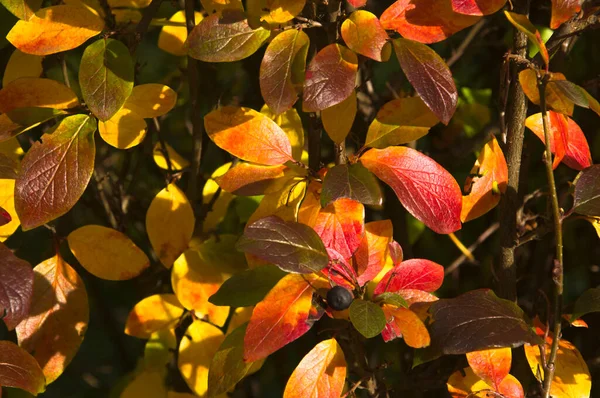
235,300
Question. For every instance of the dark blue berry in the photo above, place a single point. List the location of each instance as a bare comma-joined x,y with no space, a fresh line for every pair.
339,298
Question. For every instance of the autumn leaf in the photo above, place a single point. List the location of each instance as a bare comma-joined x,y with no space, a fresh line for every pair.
362,32
588,302
292,246
224,38
247,288
249,179
562,11
555,97
106,77
151,100
402,322
321,373
423,187
107,253
146,383
22,65
282,198
55,29
475,7
464,383
400,121
22,9
341,226
249,135
20,370
36,92
425,21
284,315
177,161
16,288
275,11
372,253
218,6
170,224
7,201
55,172
492,365
172,38
59,314
522,23
291,124
429,75
587,192
486,182
352,181
152,314
330,78
419,274
338,119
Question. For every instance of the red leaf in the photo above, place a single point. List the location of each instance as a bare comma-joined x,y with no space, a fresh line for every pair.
282,316
426,21
429,75
19,369
491,365
357,3
16,287
373,250
341,226
425,188
577,153
562,11
416,274
330,78
477,7
339,270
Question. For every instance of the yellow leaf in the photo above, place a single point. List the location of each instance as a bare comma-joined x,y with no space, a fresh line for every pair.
93,5
178,162
159,348
129,3
338,119
275,11
151,100
291,124
215,216
212,6
149,383
22,65
126,16
170,224
36,92
12,149
107,253
125,129
283,201
200,343
55,29
171,38
160,311
7,202
595,221
194,280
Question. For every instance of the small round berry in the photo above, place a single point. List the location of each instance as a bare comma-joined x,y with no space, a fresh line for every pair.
339,298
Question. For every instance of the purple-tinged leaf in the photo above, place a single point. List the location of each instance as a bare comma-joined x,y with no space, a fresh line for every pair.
352,182
16,287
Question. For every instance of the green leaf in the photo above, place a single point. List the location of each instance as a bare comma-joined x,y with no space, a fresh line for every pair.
587,192
19,369
22,9
227,367
478,320
576,94
353,182
225,38
522,23
55,172
106,77
247,288
588,302
392,298
367,317
292,246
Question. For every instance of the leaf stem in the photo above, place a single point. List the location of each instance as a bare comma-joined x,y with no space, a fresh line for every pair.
340,153
557,271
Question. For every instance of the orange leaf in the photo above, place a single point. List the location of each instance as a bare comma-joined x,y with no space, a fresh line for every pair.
364,34
29,92
160,311
555,98
487,180
282,198
562,11
416,273
424,187
402,322
470,385
321,373
522,23
577,153
476,7
491,365
249,135
330,78
19,369
341,226
249,179
371,255
426,21
59,317
284,315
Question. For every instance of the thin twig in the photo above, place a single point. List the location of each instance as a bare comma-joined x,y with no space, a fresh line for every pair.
465,43
482,238
104,201
163,146
142,26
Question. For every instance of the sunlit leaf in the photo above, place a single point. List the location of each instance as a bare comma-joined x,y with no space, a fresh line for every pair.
321,373
124,130
367,317
338,119
160,311
330,78
170,224
19,369
486,182
465,383
362,32
159,348
371,255
291,124
419,274
7,201
106,77
476,7
20,120
275,11
196,351
22,9
522,23
500,323
429,75
178,162
292,246
426,21
59,317
400,121
555,97
55,172
22,65
55,29
249,135
341,226
402,322
224,38
352,181
151,100
247,288
36,92
574,93
563,10
424,187
212,6
107,253
249,179
16,288
491,365
282,69
284,315
172,38
587,192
